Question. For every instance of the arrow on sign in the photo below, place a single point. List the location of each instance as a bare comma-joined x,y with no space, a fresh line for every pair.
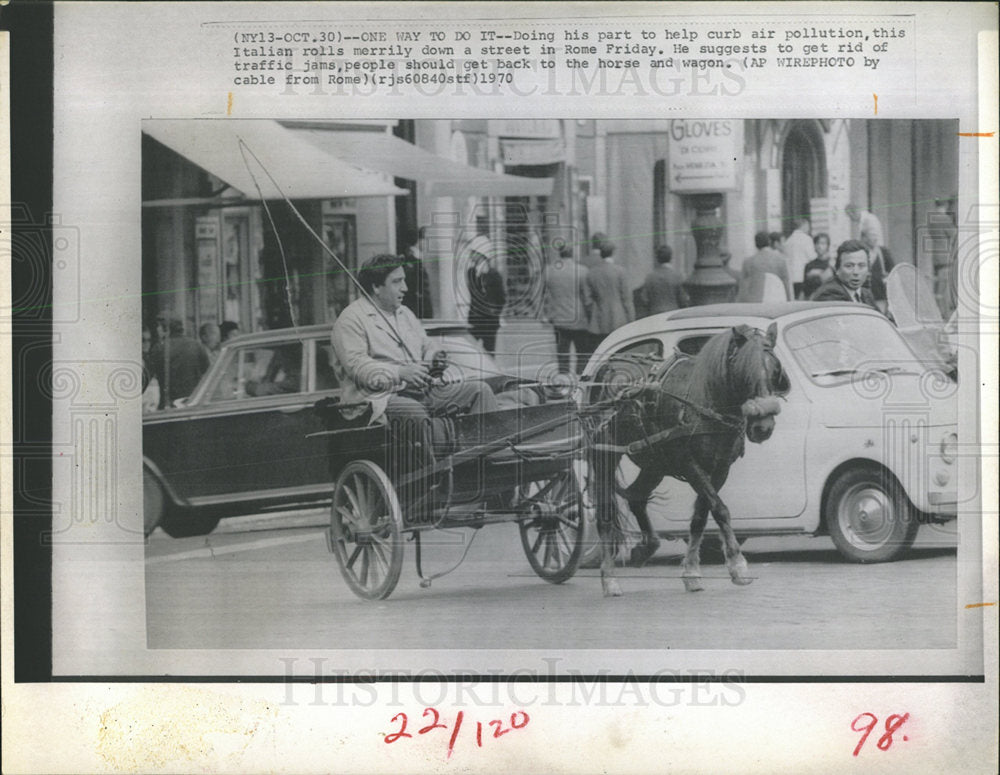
680,177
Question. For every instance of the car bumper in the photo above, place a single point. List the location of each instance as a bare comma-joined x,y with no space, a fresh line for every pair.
946,500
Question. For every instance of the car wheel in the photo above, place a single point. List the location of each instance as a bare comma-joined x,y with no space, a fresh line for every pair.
869,516
185,524
154,502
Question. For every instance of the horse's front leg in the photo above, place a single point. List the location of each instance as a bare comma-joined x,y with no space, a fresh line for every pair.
736,563
603,467
691,567
638,494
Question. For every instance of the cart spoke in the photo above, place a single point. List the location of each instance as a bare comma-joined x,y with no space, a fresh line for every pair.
354,556
363,578
353,498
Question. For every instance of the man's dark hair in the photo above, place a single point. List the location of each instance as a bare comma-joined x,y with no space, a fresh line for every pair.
607,249
821,235
774,238
226,327
761,240
850,246
597,239
664,254
374,271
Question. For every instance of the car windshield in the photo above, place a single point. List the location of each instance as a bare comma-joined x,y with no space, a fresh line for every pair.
836,348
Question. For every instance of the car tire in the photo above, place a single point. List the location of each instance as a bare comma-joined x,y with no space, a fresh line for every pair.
868,515
186,525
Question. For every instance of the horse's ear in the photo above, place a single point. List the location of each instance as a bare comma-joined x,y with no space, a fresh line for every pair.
741,333
772,334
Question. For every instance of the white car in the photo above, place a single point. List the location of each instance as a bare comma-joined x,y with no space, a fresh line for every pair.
864,448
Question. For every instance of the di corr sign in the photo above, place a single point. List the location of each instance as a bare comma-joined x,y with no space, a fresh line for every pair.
704,155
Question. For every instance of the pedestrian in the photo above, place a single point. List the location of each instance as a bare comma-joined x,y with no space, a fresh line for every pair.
850,277
487,296
764,276
150,385
564,306
593,256
862,220
880,263
418,283
819,270
211,339
608,299
663,288
179,362
799,250
228,329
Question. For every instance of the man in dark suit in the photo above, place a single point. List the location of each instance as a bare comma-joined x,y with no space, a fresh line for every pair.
609,300
178,364
418,282
880,262
487,295
850,273
663,289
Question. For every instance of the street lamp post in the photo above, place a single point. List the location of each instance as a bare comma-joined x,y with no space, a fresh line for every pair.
709,283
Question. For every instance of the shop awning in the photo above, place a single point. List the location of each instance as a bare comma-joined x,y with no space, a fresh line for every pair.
443,177
300,169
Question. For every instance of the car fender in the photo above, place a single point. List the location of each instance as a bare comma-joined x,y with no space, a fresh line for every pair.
176,501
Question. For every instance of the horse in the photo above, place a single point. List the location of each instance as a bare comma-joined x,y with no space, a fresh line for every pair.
686,417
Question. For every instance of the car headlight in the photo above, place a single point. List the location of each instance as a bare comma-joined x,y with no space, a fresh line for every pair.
949,448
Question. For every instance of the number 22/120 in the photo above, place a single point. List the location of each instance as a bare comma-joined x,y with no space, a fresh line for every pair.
518,720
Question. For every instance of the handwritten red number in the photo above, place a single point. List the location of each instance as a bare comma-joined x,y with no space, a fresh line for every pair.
892,723
434,724
392,738
523,715
479,733
867,729
454,733
498,728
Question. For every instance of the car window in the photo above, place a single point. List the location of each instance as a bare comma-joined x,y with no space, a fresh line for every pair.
326,378
835,348
691,345
625,367
264,370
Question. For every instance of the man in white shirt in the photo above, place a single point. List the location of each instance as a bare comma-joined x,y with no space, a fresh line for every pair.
799,251
864,221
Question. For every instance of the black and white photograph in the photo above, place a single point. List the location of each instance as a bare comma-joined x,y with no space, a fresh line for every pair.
721,349
550,387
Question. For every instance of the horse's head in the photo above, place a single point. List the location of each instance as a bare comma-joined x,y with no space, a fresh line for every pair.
758,378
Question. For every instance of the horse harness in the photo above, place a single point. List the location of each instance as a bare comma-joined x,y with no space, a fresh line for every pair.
639,397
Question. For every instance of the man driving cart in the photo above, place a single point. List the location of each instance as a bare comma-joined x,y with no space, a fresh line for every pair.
384,357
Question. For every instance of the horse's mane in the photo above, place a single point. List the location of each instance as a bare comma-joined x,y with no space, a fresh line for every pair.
726,382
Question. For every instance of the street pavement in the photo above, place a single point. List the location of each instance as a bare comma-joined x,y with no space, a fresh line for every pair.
255,585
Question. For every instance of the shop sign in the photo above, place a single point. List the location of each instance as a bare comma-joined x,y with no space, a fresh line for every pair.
704,155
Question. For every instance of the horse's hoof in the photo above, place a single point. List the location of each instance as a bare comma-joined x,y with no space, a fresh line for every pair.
693,584
739,572
611,588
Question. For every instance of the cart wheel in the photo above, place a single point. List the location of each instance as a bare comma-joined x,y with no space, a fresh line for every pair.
552,526
366,530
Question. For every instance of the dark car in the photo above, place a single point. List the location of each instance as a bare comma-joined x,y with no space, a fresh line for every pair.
240,443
